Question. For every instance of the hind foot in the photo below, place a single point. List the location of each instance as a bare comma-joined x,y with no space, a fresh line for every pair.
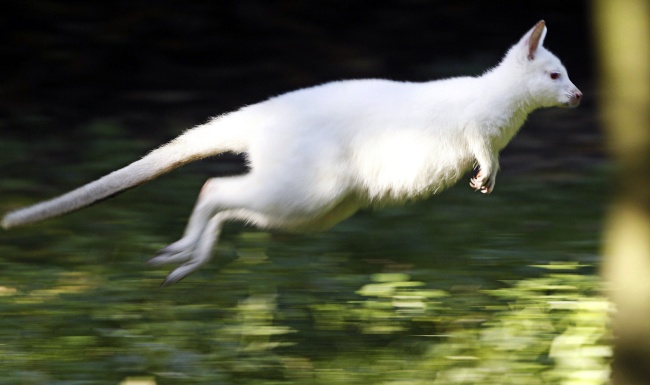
191,256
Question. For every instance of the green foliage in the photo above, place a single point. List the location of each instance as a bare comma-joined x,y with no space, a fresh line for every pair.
546,330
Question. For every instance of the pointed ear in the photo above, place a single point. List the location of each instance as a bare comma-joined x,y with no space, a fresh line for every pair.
533,39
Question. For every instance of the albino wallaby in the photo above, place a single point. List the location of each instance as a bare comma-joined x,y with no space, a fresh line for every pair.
318,154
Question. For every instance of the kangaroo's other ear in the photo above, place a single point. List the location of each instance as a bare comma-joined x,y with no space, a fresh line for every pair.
533,39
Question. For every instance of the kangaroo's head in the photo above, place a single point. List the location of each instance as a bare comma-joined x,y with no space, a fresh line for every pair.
543,75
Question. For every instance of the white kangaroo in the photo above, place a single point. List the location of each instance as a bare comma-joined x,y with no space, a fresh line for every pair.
318,154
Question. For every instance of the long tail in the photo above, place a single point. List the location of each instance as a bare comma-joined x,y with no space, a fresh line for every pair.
200,142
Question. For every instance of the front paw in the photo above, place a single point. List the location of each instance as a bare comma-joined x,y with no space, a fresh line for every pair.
480,182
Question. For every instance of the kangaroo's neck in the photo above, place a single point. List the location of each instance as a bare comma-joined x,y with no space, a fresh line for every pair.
506,100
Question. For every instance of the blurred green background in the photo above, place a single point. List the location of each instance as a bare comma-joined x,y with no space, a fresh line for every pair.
459,289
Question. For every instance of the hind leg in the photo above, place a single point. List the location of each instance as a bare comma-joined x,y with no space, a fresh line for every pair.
194,256
181,250
199,253
260,200
220,200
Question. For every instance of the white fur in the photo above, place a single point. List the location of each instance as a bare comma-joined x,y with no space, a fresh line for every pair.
319,154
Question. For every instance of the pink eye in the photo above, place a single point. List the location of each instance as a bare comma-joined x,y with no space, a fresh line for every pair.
555,75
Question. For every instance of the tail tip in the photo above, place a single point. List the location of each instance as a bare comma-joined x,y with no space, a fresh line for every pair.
8,222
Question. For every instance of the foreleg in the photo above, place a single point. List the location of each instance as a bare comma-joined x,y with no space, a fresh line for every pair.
488,165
